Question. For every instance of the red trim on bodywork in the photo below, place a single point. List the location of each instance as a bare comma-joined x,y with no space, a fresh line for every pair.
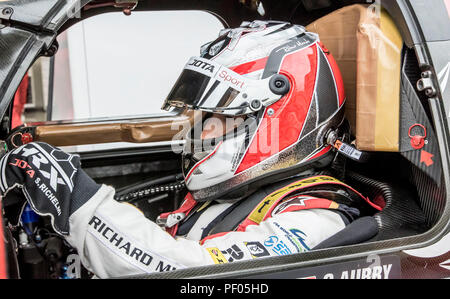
3,266
20,99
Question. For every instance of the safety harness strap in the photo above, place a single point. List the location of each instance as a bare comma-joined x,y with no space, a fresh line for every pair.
266,207
275,202
264,210
254,218
170,220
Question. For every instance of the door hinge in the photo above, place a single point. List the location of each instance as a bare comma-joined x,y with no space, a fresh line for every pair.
426,84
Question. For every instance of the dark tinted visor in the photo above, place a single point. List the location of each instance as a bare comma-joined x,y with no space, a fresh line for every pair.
188,89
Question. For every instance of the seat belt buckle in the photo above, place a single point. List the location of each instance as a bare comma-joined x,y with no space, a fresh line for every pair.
170,221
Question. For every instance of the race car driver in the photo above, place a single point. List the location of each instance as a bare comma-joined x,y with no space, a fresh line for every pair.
257,164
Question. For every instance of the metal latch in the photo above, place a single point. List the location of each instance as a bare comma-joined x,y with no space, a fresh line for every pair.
426,84
5,16
126,5
171,220
347,150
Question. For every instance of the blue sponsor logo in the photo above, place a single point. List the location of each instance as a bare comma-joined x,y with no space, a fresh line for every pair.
300,236
277,246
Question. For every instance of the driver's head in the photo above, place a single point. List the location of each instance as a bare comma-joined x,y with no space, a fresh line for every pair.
269,92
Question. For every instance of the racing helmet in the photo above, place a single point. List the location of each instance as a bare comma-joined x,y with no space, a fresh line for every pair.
268,92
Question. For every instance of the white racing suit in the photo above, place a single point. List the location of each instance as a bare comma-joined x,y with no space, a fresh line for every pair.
115,239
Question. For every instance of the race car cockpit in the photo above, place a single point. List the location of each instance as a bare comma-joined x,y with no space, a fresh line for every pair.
388,142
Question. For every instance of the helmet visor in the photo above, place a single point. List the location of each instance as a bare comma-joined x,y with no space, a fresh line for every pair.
211,87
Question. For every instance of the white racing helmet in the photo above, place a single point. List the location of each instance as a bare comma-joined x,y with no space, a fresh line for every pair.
269,91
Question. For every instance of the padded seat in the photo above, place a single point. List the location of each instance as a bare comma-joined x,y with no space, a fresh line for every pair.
367,47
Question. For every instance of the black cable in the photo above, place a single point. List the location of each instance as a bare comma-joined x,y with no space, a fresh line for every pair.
141,185
142,193
374,189
377,188
50,88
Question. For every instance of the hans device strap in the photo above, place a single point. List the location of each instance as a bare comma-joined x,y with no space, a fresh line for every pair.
267,205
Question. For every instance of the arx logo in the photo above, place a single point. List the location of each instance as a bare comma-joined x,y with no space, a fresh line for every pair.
202,64
47,165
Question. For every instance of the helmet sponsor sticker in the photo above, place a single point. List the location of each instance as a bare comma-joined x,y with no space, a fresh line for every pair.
231,79
201,64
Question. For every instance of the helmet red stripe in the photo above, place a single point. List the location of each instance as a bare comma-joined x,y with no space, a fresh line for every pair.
321,152
251,66
290,111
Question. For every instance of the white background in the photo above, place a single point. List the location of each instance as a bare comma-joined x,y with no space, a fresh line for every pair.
114,65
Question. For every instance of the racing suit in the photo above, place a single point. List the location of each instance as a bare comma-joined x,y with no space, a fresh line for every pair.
115,239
